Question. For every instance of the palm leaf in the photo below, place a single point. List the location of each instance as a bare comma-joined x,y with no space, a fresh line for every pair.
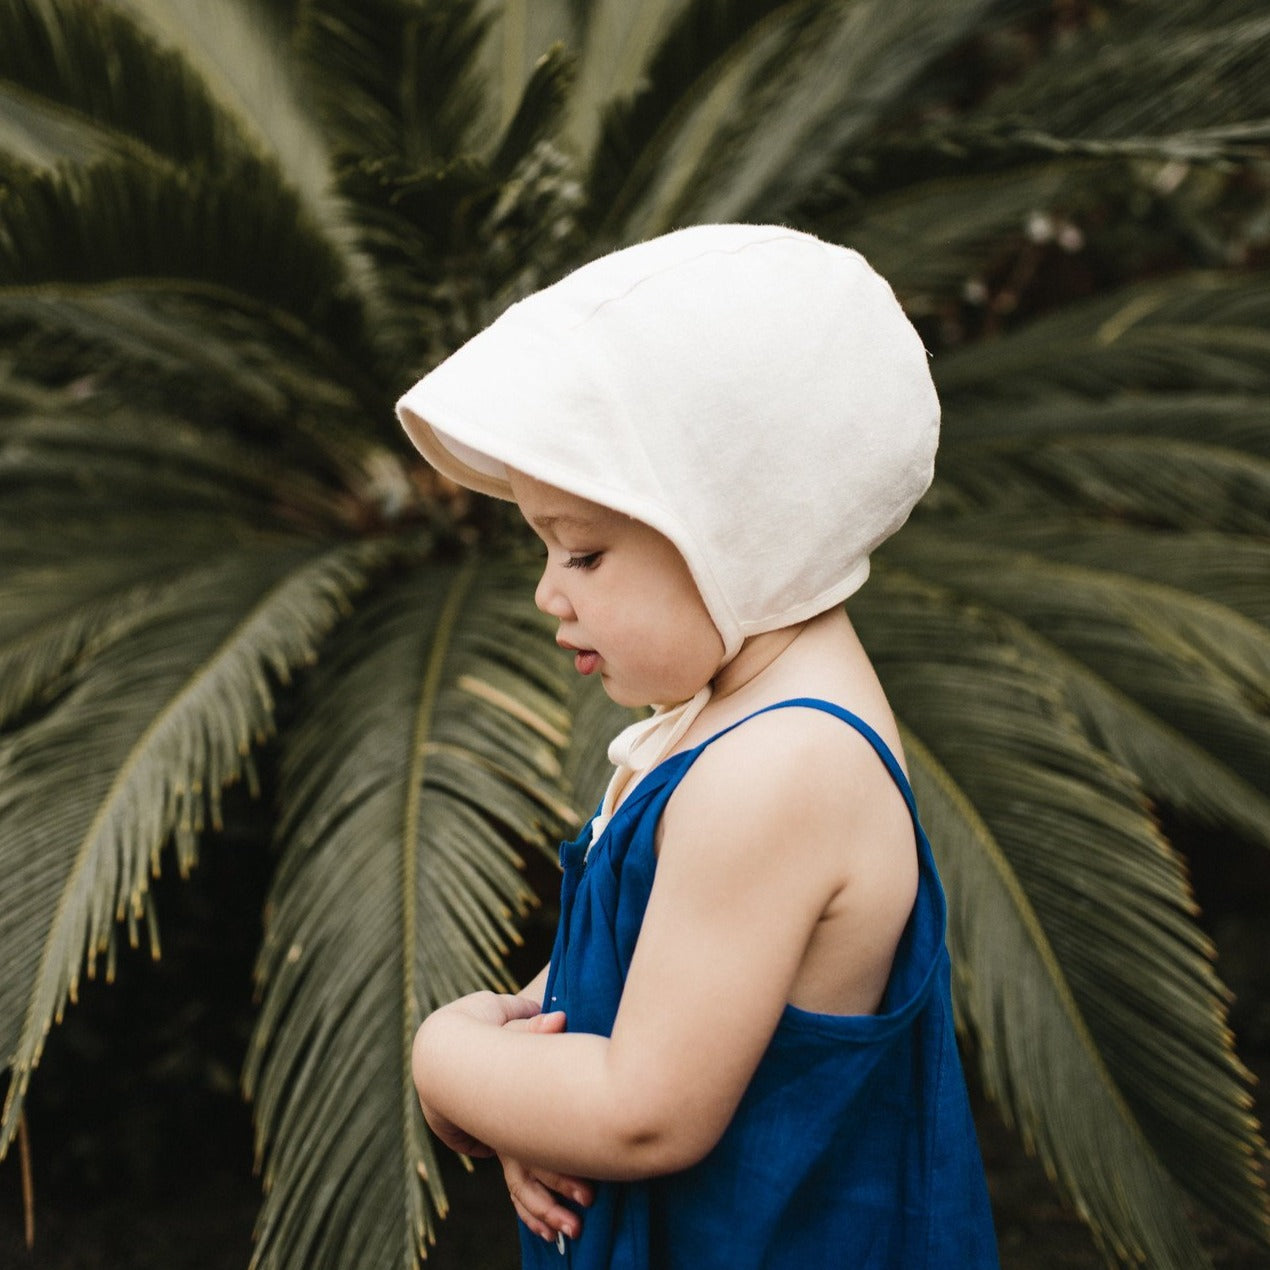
657,153
1193,332
519,35
396,891
1200,668
994,715
1234,421
1182,484
538,113
161,714
246,63
182,233
932,237
154,465
1175,769
117,220
397,80
1099,92
61,99
1007,970
1228,569
692,56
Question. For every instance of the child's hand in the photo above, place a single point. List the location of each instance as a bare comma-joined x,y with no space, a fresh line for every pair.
536,1196
499,1010
536,1192
496,1008
488,1007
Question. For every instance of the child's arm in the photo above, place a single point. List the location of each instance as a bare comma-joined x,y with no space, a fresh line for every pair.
772,822
535,1192
521,1007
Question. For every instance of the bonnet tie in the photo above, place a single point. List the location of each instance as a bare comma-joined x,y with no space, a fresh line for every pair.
637,749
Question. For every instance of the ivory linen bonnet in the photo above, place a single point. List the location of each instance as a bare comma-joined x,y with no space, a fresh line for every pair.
751,392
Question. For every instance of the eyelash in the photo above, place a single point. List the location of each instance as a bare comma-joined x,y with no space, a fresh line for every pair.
588,561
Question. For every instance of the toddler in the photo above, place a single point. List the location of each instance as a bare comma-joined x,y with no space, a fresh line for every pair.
741,1053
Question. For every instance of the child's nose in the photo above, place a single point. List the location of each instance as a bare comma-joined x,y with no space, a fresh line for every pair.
550,599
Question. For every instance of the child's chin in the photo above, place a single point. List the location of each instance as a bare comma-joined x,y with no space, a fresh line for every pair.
621,696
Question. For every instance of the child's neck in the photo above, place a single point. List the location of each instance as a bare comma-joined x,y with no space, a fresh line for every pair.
756,656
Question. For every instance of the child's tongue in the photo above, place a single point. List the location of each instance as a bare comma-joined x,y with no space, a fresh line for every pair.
586,661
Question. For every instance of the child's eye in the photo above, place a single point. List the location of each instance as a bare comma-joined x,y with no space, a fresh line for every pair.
587,561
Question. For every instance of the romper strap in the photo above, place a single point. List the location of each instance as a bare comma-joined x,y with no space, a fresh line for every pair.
880,747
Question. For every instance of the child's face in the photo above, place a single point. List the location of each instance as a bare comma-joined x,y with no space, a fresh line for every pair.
626,603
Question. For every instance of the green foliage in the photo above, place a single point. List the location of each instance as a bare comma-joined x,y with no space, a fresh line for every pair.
232,234
402,843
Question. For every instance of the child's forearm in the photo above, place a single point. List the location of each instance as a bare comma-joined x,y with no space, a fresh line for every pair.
559,1100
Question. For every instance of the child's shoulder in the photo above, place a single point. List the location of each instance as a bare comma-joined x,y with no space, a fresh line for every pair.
798,743
797,765
793,811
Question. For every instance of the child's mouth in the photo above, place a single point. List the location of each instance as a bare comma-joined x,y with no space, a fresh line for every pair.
585,661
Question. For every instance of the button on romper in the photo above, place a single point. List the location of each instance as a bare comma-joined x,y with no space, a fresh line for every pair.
853,1144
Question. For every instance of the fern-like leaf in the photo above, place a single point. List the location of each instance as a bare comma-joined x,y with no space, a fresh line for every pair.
162,712
397,890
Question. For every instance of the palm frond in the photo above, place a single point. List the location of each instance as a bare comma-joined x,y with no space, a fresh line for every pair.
1091,1144
107,462
848,73
226,229
162,712
154,341
694,51
538,112
933,237
179,277
1174,769
1228,569
517,38
1194,332
1234,421
398,80
1182,484
1113,902
618,43
1099,91
104,510
1200,668
397,890
117,220
60,98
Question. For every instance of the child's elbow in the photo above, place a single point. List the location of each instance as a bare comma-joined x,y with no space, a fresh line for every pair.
653,1143
419,1059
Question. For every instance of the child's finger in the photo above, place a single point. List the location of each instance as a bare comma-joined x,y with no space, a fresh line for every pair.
542,1023
517,1007
541,1210
574,1188
540,1228
553,1022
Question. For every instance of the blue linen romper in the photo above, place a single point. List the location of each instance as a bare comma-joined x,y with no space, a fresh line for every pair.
853,1145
